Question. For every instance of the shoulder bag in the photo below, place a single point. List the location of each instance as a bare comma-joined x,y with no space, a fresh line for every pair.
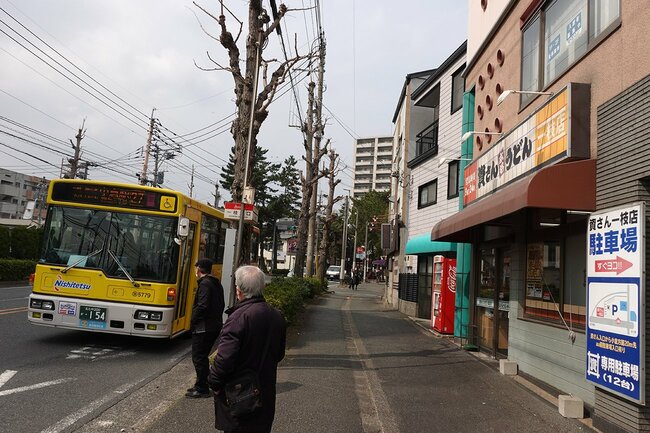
242,393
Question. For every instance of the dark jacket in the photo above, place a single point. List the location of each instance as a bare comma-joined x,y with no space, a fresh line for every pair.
207,310
240,347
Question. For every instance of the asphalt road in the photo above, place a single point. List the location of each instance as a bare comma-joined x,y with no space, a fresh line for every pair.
54,381
354,367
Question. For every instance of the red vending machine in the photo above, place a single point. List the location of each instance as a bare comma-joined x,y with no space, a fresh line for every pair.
444,294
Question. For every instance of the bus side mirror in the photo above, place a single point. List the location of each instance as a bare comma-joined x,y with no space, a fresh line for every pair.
183,227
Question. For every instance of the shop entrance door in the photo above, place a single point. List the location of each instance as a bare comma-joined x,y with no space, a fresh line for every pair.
492,300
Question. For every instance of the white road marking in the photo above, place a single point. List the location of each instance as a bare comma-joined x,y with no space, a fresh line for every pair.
94,352
6,375
16,287
115,355
36,386
73,418
14,299
375,411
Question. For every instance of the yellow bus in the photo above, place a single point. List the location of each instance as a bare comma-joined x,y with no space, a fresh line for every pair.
119,258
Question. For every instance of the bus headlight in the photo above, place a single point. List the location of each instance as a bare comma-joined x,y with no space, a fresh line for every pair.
148,315
41,304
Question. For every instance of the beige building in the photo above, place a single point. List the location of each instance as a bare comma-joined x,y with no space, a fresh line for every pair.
17,190
373,158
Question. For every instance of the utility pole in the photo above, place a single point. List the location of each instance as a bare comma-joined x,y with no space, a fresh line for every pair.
240,226
344,241
324,246
274,249
147,150
74,161
315,247
216,195
365,258
40,194
356,227
192,182
318,136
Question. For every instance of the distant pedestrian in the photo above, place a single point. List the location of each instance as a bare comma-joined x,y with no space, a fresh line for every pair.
355,280
205,324
252,339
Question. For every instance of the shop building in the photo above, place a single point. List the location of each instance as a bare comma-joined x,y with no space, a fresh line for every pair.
555,136
431,179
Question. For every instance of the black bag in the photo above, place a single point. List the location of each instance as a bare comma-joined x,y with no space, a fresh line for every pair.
242,393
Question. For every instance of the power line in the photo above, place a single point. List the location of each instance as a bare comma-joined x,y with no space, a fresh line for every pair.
67,91
64,57
346,128
51,117
68,78
28,154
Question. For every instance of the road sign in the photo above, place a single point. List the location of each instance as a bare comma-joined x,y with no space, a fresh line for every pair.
232,211
615,301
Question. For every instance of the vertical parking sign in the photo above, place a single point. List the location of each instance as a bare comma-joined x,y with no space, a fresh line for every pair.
615,300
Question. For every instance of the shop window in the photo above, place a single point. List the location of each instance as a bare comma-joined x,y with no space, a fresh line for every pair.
558,35
457,90
452,179
427,194
555,288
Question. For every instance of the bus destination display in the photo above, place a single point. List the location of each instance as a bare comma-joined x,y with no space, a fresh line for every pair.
107,195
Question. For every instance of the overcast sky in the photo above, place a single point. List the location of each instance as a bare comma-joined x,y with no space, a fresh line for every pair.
141,53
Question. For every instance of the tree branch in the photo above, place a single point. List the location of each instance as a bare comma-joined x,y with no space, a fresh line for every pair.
279,75
276,22
227,41
206,69
203,28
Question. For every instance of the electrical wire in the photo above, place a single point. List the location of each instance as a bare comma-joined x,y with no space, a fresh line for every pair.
140,125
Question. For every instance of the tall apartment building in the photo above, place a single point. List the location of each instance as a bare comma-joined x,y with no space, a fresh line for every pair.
16,191
373,159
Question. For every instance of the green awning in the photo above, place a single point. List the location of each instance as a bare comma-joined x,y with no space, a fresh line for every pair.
423,244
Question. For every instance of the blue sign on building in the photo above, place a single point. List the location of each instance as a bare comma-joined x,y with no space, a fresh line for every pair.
615,319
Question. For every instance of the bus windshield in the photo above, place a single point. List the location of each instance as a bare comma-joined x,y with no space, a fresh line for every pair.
88,238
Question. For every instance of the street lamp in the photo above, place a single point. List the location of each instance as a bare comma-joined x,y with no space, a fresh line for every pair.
507,93
445,159
468,134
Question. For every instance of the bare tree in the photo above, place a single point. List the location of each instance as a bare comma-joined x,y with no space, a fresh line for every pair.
324,246
260,27
313,154
247,100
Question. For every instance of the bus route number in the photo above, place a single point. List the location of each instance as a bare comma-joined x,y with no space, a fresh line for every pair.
141,294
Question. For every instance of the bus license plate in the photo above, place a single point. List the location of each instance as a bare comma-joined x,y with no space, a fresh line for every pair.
96,314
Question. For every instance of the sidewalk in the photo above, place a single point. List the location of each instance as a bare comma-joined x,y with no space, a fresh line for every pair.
354,367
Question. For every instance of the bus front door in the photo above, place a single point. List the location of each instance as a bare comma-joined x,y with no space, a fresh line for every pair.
188,281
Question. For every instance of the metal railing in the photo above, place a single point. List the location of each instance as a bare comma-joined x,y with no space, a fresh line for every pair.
427,140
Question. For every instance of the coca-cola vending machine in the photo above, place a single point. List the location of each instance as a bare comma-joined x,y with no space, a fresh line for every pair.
443,294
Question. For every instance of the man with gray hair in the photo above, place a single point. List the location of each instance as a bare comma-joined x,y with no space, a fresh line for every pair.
253,338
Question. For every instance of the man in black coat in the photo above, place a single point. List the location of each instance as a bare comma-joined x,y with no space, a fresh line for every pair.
253,338
207,313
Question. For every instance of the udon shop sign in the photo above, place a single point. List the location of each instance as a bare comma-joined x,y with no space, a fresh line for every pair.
557,130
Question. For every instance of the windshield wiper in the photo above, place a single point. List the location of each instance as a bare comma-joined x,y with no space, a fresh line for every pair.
93,254
122,268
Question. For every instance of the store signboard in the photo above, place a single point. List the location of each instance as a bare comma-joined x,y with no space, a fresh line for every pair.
615,301
557,130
